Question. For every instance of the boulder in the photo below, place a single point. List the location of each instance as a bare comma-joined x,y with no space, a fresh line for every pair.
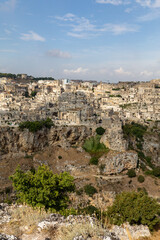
116,162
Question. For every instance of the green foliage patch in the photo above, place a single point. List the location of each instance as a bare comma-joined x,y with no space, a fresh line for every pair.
94,161
43,189
35,126
93,146
33,93
90,190
119,96
141,178
100,131
134,129
131,173
135,208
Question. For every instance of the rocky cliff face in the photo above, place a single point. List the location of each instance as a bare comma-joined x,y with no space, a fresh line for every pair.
119,161
151,147
13,141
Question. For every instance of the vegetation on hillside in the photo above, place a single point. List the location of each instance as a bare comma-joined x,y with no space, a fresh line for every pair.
100,131
93,146
8,75
134,130
43,189
34,126
135,208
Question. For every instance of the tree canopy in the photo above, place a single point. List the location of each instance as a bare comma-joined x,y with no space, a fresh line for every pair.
41,188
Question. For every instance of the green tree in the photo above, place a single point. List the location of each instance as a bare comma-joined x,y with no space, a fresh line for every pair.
100,131
135,208
42,188
131,173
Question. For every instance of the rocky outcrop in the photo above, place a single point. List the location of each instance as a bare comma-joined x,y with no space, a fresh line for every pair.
77,227
127,232
8,237
113,136
151,147
116,162
13,141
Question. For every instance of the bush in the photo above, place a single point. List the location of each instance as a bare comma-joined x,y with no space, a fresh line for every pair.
36,125
100,131
156,171
141,179
135,208
90,190
131,173
94,161
90,210
42,188
134,129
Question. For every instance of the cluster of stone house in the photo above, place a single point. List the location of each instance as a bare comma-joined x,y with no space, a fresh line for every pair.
77,102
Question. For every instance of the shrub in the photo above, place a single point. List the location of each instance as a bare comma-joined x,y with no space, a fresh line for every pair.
90,210
100,131
134,129
131,173
94,161
156,171
34,126
141,179
90,190
59,157
135,208
42,188
79,191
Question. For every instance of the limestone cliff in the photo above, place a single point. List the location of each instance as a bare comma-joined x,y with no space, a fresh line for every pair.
13,141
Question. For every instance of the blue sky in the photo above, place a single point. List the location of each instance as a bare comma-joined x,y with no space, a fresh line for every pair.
104,40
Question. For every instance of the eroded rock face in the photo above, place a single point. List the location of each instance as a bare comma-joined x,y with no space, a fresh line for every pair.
127,232
8,237
151,147
116,162
113,136
13,141
4,213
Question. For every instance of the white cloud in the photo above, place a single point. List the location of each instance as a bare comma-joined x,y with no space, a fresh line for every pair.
82,27
146,73
58,53
67,17
120,71
76,71
8,5
149,3
31,36
150,16
119,28
113,2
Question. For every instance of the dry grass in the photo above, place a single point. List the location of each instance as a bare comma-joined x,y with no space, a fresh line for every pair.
85,230
155,236
24,219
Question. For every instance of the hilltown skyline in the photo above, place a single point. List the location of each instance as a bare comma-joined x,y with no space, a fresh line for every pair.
115,40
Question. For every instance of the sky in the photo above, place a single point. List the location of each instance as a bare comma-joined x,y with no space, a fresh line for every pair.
103,40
